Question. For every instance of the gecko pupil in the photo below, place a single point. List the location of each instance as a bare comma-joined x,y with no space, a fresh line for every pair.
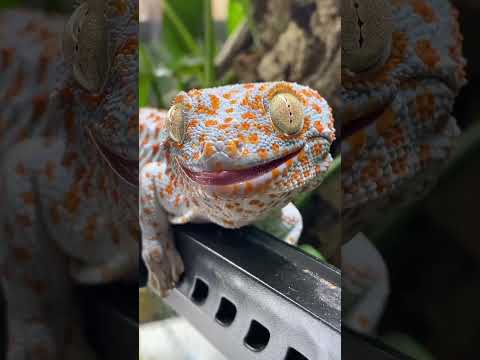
360,24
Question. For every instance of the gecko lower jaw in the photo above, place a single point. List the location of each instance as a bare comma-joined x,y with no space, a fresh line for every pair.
229,177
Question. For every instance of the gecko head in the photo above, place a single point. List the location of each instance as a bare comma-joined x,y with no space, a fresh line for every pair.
99,72
245,149
402,67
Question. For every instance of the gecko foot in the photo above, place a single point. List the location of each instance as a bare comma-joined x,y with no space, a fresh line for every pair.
165,267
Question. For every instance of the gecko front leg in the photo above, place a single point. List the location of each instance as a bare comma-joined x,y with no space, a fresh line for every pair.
285,223
158,251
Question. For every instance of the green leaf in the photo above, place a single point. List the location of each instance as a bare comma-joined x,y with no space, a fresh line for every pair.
209,44
408,346
157,82
183,26
309,249
9,3
145,79
237,13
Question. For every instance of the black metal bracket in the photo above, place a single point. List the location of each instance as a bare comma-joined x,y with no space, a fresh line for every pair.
253,296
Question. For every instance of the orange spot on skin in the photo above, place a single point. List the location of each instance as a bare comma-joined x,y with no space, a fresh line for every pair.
263,154
267,130
89,232
23,220
213,109
302,157
16,86
129,47
21,254
249,115
275,173
424,10
280,88
245,126
317,108
155,149
425,106
28,197
228,222
208,150
193,123
210,123
275,148
229,110
386,121
248,187
253,139
319,126
39,107
7,57
427,53
72,201
231,148
20,169
50,170
120,7
224,126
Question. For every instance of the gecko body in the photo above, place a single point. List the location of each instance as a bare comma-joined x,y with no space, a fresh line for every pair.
231,155
397,94
69,167
402,67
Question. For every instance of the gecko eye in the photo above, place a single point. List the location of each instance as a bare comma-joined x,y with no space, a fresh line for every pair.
367,28
286,112
176,123
85,45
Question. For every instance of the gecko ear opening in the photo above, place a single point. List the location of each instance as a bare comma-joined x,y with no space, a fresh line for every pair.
286,112
367,28
85,45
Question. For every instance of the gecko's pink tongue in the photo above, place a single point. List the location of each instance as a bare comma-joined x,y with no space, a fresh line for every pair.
227,177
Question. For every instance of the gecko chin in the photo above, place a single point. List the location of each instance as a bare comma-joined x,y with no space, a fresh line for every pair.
226,178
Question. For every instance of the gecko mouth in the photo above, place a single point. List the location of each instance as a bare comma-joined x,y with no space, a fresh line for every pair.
362,121
228,177
126,169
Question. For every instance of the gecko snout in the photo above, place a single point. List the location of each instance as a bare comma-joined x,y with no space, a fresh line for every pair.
222,149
